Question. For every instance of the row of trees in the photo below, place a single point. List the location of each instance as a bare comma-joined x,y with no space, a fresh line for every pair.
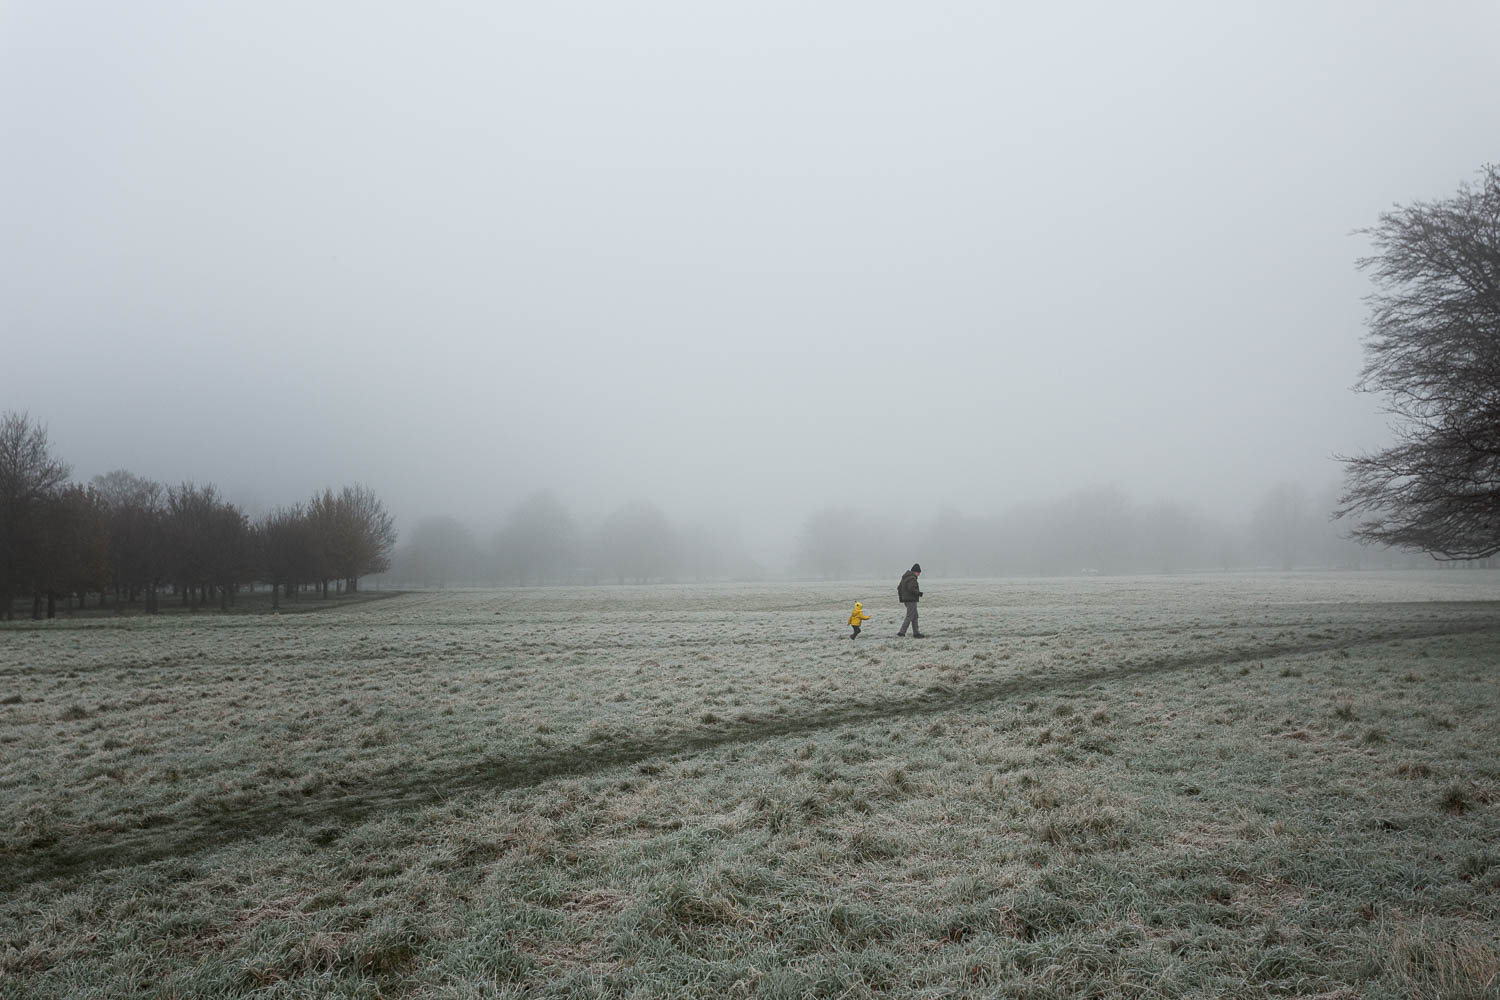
541,542
1098,530
125,536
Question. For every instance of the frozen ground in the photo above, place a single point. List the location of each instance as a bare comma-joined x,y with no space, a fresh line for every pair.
1234,785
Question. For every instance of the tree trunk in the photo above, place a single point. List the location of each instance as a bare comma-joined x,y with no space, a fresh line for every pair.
275,596
36,606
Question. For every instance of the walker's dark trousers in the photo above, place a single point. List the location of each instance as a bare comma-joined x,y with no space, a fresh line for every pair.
911,618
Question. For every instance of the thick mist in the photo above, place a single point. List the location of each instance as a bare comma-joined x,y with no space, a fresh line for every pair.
743,263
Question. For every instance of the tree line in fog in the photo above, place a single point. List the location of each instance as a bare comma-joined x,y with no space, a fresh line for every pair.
128,539
1090,531
540,542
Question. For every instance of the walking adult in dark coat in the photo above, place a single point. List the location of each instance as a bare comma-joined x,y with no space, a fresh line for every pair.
909,593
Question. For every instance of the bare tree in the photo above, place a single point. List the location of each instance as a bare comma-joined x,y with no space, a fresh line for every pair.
190,514
136,542
1433,350
335,540
290,551
233,555
29,477
356,533
71,547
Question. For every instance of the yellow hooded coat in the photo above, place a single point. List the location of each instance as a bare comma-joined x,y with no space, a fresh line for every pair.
858,614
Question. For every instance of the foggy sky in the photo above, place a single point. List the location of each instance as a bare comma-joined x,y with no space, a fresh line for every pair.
740,259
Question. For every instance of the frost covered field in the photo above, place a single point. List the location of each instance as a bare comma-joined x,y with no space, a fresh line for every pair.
1239,786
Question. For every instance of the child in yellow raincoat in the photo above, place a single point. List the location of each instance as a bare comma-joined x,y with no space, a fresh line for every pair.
855,617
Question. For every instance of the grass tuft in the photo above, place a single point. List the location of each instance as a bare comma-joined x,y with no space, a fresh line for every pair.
1455,800
1428,959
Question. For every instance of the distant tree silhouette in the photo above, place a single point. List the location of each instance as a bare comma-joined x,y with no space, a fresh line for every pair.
637,542
715,549
1101,529
1174,536
440,551
1282,523
829,542
537,543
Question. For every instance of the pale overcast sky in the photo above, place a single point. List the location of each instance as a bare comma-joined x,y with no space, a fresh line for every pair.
741,259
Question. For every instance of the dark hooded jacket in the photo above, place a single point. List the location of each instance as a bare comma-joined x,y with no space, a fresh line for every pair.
907,589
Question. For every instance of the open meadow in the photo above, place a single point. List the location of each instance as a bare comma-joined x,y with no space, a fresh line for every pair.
1247,785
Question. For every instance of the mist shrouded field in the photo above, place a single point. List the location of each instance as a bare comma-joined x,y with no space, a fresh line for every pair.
1237,785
